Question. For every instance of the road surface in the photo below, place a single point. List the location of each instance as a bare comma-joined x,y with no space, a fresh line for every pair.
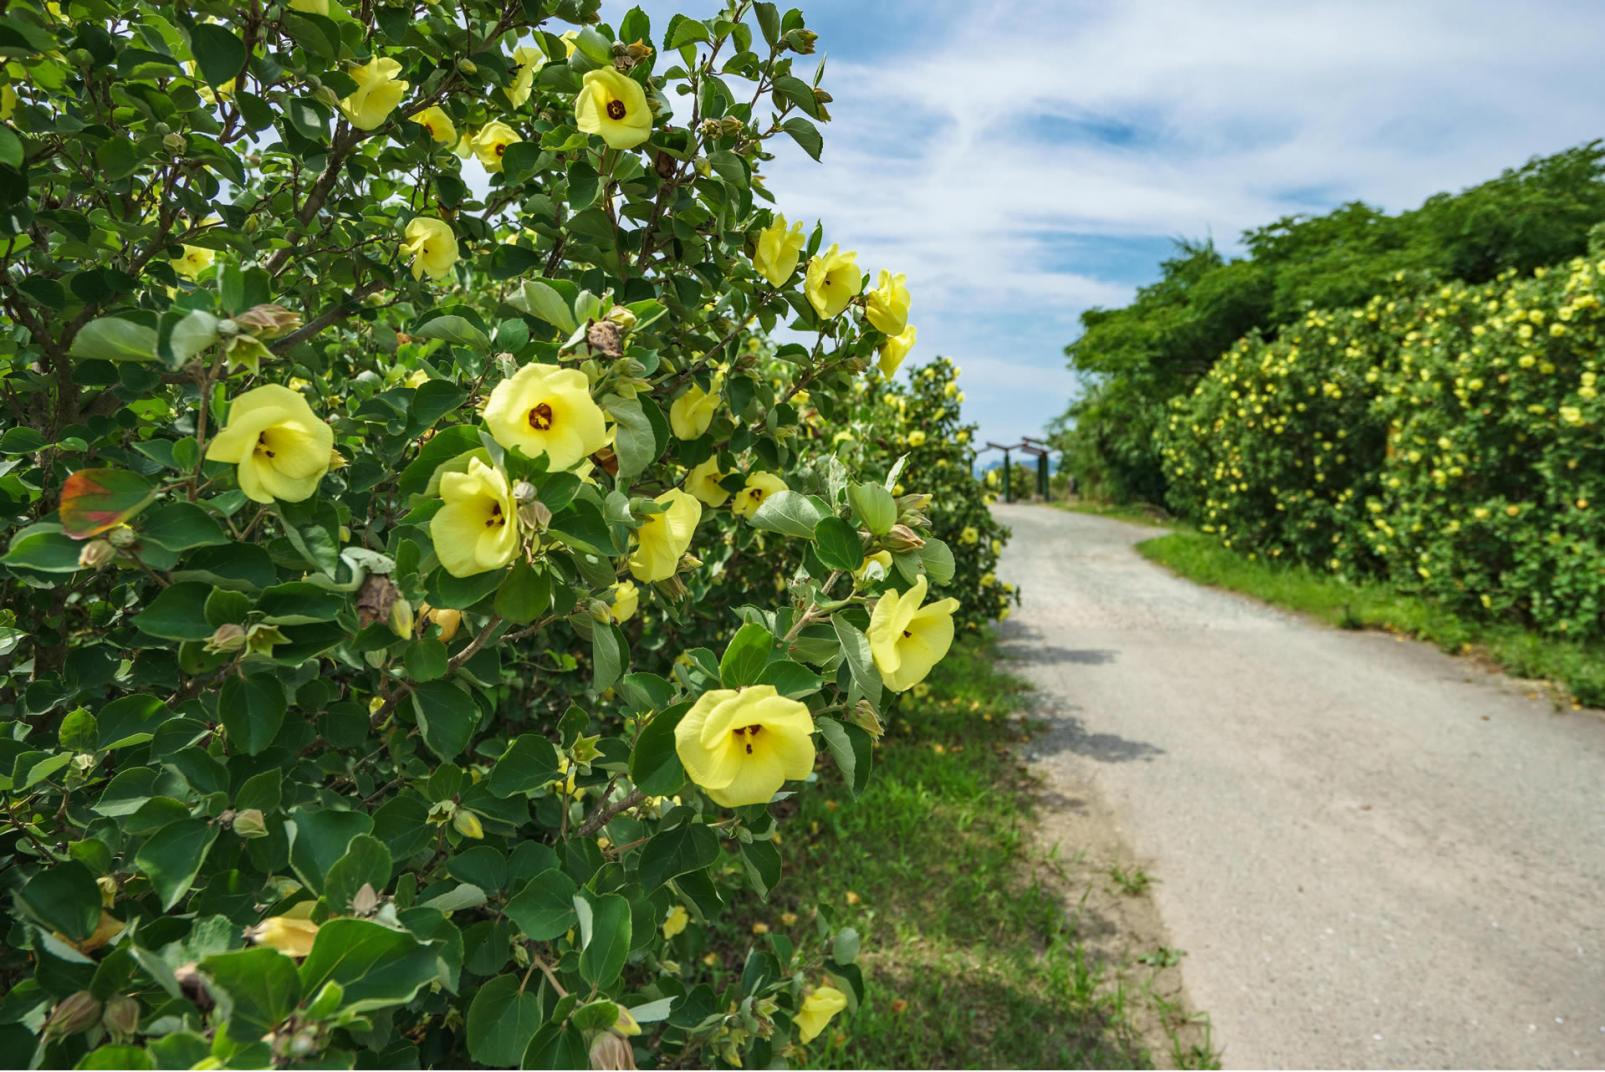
1371,853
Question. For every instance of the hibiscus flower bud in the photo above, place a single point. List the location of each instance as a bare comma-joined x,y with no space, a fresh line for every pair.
801,41
122,537
260,639
535,515
95,554
467,824
72,1014
523,492
401,618
621,316
609,1051
121,1018
225,639
269,320
448,620
903,538
250,823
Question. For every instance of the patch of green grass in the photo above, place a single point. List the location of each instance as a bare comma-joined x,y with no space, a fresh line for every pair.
1133,881
1136,513
1579,668
969,956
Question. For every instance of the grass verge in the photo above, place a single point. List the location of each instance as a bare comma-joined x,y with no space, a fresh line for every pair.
1136,513
1578,668
969,955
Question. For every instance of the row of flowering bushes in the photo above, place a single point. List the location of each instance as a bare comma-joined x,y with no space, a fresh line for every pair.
1445,437
421,577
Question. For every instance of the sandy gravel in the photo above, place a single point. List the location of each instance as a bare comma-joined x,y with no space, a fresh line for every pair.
1372,854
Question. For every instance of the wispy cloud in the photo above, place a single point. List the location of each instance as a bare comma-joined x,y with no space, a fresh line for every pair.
1022,160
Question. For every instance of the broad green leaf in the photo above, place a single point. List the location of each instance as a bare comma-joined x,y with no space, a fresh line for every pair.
218,53
636,443
837,544
691,846
938,561
377,966
65,898
539,300
366,862
745,657
322,836
179,526
44,547
446,716
178,613
502,1019
255,989
525,593
455,330
789,513
113,339
604,937
172,857
855,650
805,134
655,765
529,763
544,908
252,709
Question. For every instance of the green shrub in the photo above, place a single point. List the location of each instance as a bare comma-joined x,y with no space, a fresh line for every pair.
381,533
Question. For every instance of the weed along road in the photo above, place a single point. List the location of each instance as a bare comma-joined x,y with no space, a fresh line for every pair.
1371,853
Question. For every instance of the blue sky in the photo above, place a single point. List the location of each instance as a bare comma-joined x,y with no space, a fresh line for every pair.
1022,161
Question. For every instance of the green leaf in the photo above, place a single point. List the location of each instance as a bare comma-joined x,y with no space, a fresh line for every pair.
218,53
299,603
502,1019
256,989
539,300
179,526
131,720
937,558
557,1046
837,544
64,898
366,863
684,31
655,766
79,731
790,679
191,335
805,134
852,748
252,709
855,649
789,513
376,966
529,763
636,444
455,330
608,655
604,937
745,657
114,1055
691,846
110,338
177,613
844,950
94,500
44,547
544,909
322,837
172,857
874,506
11,151
446,716
525,594
426,659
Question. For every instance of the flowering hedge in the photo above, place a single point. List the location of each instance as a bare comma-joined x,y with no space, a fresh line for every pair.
417,590
922,419
1444,436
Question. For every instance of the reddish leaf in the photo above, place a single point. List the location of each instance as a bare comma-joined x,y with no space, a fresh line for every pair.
94,500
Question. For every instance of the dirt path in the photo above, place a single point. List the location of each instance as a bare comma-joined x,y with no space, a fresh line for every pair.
1371,853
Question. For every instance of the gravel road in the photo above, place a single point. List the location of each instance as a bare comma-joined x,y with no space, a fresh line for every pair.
1372,853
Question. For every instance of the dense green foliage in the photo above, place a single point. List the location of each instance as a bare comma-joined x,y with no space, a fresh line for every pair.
1133,360
1446,439
922,419
356,629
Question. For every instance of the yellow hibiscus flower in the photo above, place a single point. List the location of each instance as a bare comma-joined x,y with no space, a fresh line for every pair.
665,536
280,446
895,348
887,305
432,247
740,745
759,487
779,248
906,639
613,105
477,528
833,281
544,409
491,142
818,1009
694,410
377,94
703,482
